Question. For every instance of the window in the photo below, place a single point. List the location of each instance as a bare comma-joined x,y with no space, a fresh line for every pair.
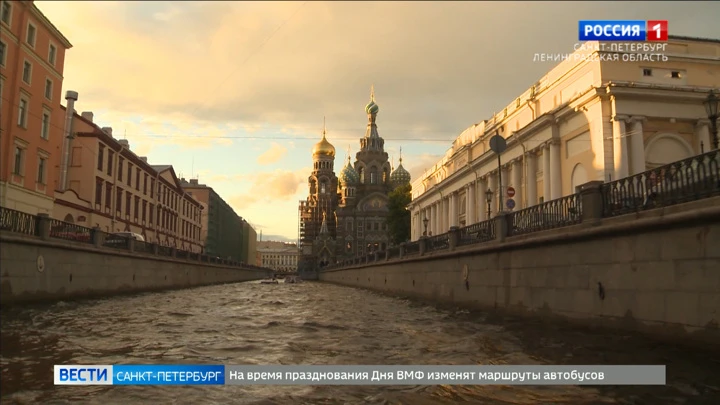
3,52
98,191
52,54
145,185
27,72
31,31
647,72
150,214
111,158
6,12
19,160
101,152
45,134
137,180
128,201
120,167
108,195
137,207
22,113
48,89
118,200
144,210
675,74
129,174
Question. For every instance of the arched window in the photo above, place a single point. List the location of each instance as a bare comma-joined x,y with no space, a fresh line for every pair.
362,175
322,188
373,176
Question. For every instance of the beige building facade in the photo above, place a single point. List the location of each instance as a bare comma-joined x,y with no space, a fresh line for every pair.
110,187
279,256
595,116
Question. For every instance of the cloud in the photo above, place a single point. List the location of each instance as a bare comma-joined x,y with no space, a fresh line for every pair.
437,66
421,163
272,155
267,187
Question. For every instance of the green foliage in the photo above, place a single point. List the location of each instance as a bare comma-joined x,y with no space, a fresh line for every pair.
398,219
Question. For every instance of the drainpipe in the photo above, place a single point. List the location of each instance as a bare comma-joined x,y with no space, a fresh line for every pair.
71,97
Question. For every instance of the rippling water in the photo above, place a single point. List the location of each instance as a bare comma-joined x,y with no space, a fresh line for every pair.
315,323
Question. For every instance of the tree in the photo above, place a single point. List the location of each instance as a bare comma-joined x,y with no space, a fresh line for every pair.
398,219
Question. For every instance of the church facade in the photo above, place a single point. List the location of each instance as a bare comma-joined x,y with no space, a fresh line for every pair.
345,215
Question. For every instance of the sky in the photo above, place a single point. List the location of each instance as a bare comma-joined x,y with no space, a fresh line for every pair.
235,93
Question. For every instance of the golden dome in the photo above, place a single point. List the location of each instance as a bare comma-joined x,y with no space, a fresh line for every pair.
324,147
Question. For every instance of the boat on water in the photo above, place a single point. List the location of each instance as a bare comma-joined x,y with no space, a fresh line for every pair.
292,280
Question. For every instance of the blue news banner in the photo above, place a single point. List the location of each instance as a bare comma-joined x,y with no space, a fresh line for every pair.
356,375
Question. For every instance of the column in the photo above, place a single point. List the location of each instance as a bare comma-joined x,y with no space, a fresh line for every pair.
470,201
435,217
516,183
531,181
620,149
482,198
547,179
445,216
555,170
637,146
702,136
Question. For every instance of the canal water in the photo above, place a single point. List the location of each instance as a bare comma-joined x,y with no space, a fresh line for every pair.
314,323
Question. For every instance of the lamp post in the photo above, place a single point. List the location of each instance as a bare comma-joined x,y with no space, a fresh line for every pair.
488,198
711,107
425,222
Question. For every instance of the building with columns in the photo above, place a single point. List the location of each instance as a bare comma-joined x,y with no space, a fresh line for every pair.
595,116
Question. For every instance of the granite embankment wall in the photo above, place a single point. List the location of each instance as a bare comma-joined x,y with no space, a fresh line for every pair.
44,270
655,271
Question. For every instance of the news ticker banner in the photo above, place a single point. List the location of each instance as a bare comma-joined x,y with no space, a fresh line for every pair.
356,375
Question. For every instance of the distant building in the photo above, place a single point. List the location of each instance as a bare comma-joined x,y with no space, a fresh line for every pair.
225,233
279,256
345,216
587,119
32,58
109,186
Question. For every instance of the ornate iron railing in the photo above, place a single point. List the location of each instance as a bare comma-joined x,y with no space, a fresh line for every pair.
437,242
675,183
412,248
393,252
117,242
553,214
72,232
477,233
18,222
143,247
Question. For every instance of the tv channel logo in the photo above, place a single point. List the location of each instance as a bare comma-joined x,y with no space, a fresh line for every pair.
83,375
623,30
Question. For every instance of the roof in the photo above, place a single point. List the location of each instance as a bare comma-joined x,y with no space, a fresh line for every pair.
51,27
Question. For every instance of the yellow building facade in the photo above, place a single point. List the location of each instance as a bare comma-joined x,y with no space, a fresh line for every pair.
595,116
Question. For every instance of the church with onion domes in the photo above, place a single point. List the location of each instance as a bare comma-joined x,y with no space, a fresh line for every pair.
344,216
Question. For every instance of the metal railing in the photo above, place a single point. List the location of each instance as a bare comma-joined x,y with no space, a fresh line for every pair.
18,222
68,231
477,233
24,223
411,248
438,242
564,211
675,183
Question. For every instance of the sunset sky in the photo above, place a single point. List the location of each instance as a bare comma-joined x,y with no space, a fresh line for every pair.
234,93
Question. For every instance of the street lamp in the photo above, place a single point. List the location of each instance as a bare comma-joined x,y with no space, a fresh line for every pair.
488,198
425,222
711,107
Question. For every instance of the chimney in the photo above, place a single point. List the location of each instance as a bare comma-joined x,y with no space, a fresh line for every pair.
107,130
71,97
143,158
194,182
88,115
